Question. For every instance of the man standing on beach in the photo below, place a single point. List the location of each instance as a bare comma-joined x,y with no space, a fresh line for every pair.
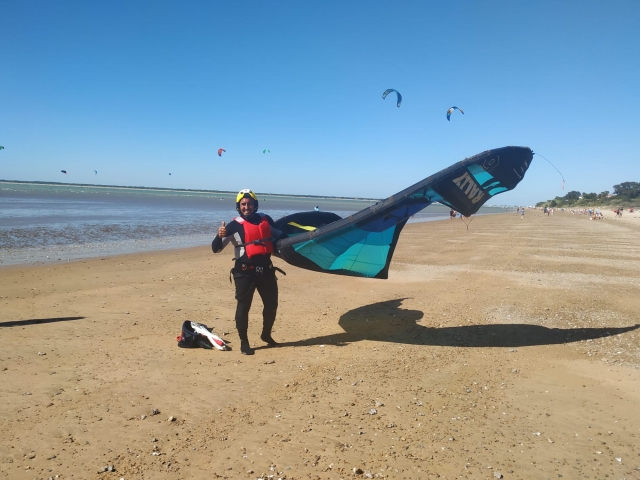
253,236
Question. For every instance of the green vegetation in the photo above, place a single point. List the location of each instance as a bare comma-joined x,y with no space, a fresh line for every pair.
624,194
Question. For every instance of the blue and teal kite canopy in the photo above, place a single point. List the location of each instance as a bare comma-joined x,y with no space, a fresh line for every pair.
362,245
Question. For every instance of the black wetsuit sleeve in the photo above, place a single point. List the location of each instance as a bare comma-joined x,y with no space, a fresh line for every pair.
216,245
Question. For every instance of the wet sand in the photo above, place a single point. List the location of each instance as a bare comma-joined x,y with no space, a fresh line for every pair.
509,350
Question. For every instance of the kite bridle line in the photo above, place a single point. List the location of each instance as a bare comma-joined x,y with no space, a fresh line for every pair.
563,182
467,223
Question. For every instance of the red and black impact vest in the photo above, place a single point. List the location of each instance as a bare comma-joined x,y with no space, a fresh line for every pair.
261,231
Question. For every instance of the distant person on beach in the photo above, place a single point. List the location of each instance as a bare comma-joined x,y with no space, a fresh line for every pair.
522,213
452,214
253,236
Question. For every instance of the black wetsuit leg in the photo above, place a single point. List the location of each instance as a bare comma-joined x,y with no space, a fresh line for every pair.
267,286
245,288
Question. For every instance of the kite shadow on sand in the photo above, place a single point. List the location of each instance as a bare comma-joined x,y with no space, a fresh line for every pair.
387,322
37,321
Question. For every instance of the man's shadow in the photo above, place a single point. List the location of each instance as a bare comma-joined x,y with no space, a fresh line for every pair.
387,322
37,321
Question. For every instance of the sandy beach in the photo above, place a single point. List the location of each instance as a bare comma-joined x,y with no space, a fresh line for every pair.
508,350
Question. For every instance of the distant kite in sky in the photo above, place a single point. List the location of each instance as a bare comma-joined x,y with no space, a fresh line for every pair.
64,171
95,172
220,150
266,151
169,173
388,91
450,111
1,147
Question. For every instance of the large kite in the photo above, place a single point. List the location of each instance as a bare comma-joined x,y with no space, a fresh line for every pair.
450,111
362,245
388,91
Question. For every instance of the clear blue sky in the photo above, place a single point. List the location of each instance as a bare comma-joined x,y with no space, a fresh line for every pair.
139,89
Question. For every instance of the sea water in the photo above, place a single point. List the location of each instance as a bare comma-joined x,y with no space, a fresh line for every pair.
41,223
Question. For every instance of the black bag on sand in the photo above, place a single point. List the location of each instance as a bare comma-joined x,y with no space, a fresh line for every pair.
190,339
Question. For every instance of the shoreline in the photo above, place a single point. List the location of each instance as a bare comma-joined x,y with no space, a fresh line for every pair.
117,248
180,190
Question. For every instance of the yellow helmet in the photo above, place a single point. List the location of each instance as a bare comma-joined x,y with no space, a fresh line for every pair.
246,193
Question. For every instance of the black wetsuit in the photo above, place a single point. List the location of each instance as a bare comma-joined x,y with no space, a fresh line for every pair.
251,274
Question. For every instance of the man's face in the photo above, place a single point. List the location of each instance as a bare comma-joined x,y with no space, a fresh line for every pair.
247,207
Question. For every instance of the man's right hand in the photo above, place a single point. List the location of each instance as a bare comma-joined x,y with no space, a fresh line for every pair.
222,230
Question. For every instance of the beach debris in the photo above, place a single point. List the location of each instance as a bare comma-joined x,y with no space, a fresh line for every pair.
379,403
497,474
155,411
450,111
373,411
357,471
171,419
388,91
42,353
142,417
536,433
107,468
549,440
269,362
391,425
154,439
619,459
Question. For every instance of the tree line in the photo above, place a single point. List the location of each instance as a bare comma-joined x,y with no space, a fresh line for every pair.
625,193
